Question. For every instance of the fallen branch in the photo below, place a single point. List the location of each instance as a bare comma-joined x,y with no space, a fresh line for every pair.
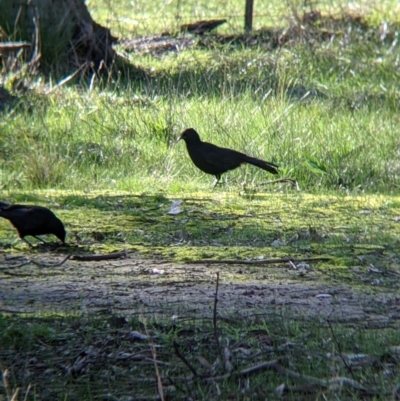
336,381
82,258
278,368
6,47
33,261
110,256
7,257
270,365
184,360
391,273
51,264
258,261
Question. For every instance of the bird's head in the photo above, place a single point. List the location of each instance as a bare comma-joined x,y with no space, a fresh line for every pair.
189,135
59,231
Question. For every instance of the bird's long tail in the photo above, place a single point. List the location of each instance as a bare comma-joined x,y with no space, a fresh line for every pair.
267,166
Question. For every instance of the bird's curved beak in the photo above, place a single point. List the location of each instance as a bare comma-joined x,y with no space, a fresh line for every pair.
179,138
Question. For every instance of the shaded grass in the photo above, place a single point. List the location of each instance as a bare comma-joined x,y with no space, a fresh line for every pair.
101,357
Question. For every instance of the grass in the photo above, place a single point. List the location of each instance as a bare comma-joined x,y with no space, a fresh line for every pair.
326,112
349,230
237,220
142,18
105,140
75,355
105,352
102,155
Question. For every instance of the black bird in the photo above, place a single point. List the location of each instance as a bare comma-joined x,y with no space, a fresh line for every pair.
33,221
215,160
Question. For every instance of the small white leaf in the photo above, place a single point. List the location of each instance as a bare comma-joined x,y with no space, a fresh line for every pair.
137,336
156,271
175,207
303,265
277,243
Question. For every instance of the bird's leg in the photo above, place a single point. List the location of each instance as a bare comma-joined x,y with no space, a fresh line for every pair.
44,242
216,181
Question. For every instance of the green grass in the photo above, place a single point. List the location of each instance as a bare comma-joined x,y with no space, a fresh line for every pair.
109,140
229,225
121,134
106,161
104,351
129,18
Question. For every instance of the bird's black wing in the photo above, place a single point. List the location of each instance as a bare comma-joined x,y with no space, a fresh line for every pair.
221,159
28,217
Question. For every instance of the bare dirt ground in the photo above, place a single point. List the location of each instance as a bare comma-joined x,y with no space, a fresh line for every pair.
138,285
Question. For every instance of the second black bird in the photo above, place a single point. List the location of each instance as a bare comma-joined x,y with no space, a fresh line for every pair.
33,221
215,160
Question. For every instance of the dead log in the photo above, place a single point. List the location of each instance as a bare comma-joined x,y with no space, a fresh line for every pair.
62,33
201,27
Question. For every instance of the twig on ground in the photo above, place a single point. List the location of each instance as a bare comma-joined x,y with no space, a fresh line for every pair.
270,365
278,368
33,261
339,347
27,392
7,257
51,264
66,79
215,316
184,360
110,256
110,397
7,273
154,354
391,273
257,262
337,381
6,47
5,269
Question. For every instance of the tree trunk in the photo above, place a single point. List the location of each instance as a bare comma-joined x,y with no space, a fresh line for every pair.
62,32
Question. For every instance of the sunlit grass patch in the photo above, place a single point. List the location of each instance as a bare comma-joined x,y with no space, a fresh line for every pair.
139,18
100,142
348,230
